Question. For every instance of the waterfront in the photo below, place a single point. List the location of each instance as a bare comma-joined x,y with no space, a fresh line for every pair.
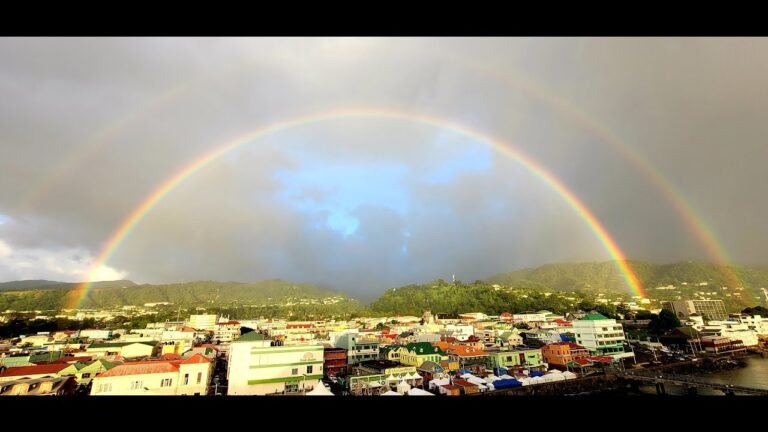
754,374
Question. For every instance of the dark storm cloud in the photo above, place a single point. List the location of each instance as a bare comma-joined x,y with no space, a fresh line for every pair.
90,127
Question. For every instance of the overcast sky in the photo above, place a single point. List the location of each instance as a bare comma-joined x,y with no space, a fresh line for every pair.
90,127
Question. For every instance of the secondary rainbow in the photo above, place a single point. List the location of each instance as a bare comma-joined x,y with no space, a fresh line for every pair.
146,206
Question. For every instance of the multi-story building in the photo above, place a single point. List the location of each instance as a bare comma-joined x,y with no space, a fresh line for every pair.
334,361
190,376
469,358
527,358
259,366
708,309
205,322
358,348
733,330
559,354
226,331
601,336
95,334
415,354
753,322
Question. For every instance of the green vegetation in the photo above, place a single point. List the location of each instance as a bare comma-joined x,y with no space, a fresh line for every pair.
445,297
303,299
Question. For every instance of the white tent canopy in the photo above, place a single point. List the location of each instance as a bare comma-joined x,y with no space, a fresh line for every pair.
319,390
403,387
569,375
438,382
391,393
418,392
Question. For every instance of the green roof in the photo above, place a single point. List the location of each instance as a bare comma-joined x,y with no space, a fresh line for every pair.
423,348
594,317
250,337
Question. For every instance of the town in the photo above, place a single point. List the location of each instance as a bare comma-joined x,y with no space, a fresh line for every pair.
435,354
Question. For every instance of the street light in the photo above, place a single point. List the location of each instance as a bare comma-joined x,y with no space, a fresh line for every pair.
303,382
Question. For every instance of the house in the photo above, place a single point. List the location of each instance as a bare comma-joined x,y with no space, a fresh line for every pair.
31,372
259,366
190,376
84,372
510,338
469,358
48,386
124,349
415,354
559,354
523,358
466,387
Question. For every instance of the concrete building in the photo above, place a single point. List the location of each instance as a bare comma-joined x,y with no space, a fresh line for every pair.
359,348
203,322
334,361
226,331
559,354
601,336
258,367
525,358
709,309
124,349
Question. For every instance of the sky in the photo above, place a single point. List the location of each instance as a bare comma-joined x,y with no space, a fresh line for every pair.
89,127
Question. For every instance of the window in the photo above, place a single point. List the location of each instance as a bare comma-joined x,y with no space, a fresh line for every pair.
186,379
86,375
166,382
199,377
295,371
291,387
136,385
309,369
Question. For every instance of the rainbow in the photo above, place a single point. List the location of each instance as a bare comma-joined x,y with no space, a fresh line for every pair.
141,211
691,218
693,221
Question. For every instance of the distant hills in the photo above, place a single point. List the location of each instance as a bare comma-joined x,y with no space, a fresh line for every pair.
46,295
523,289
605,276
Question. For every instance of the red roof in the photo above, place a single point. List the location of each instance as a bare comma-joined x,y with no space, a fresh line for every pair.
48,369
582,362
450,387
229,323
463,383
170,356
187,329
197,358
602,359
140,368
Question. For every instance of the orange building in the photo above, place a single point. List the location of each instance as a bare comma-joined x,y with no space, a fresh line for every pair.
562,353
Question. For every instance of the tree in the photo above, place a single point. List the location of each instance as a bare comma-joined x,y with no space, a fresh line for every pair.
522,326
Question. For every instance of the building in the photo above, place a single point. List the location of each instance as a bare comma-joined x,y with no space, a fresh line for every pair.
358,348
190,376
708,309
48,386
334,361
124,349
526,358
559,354
32,372
203,322
469,358
602,336
415,354
510,338
257,366
95,334
227,331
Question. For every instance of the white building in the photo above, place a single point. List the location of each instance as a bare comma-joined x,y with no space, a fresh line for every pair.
601,336
755,322
257,367
530,317
460,332
227,331
732,330
190,376
203,322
